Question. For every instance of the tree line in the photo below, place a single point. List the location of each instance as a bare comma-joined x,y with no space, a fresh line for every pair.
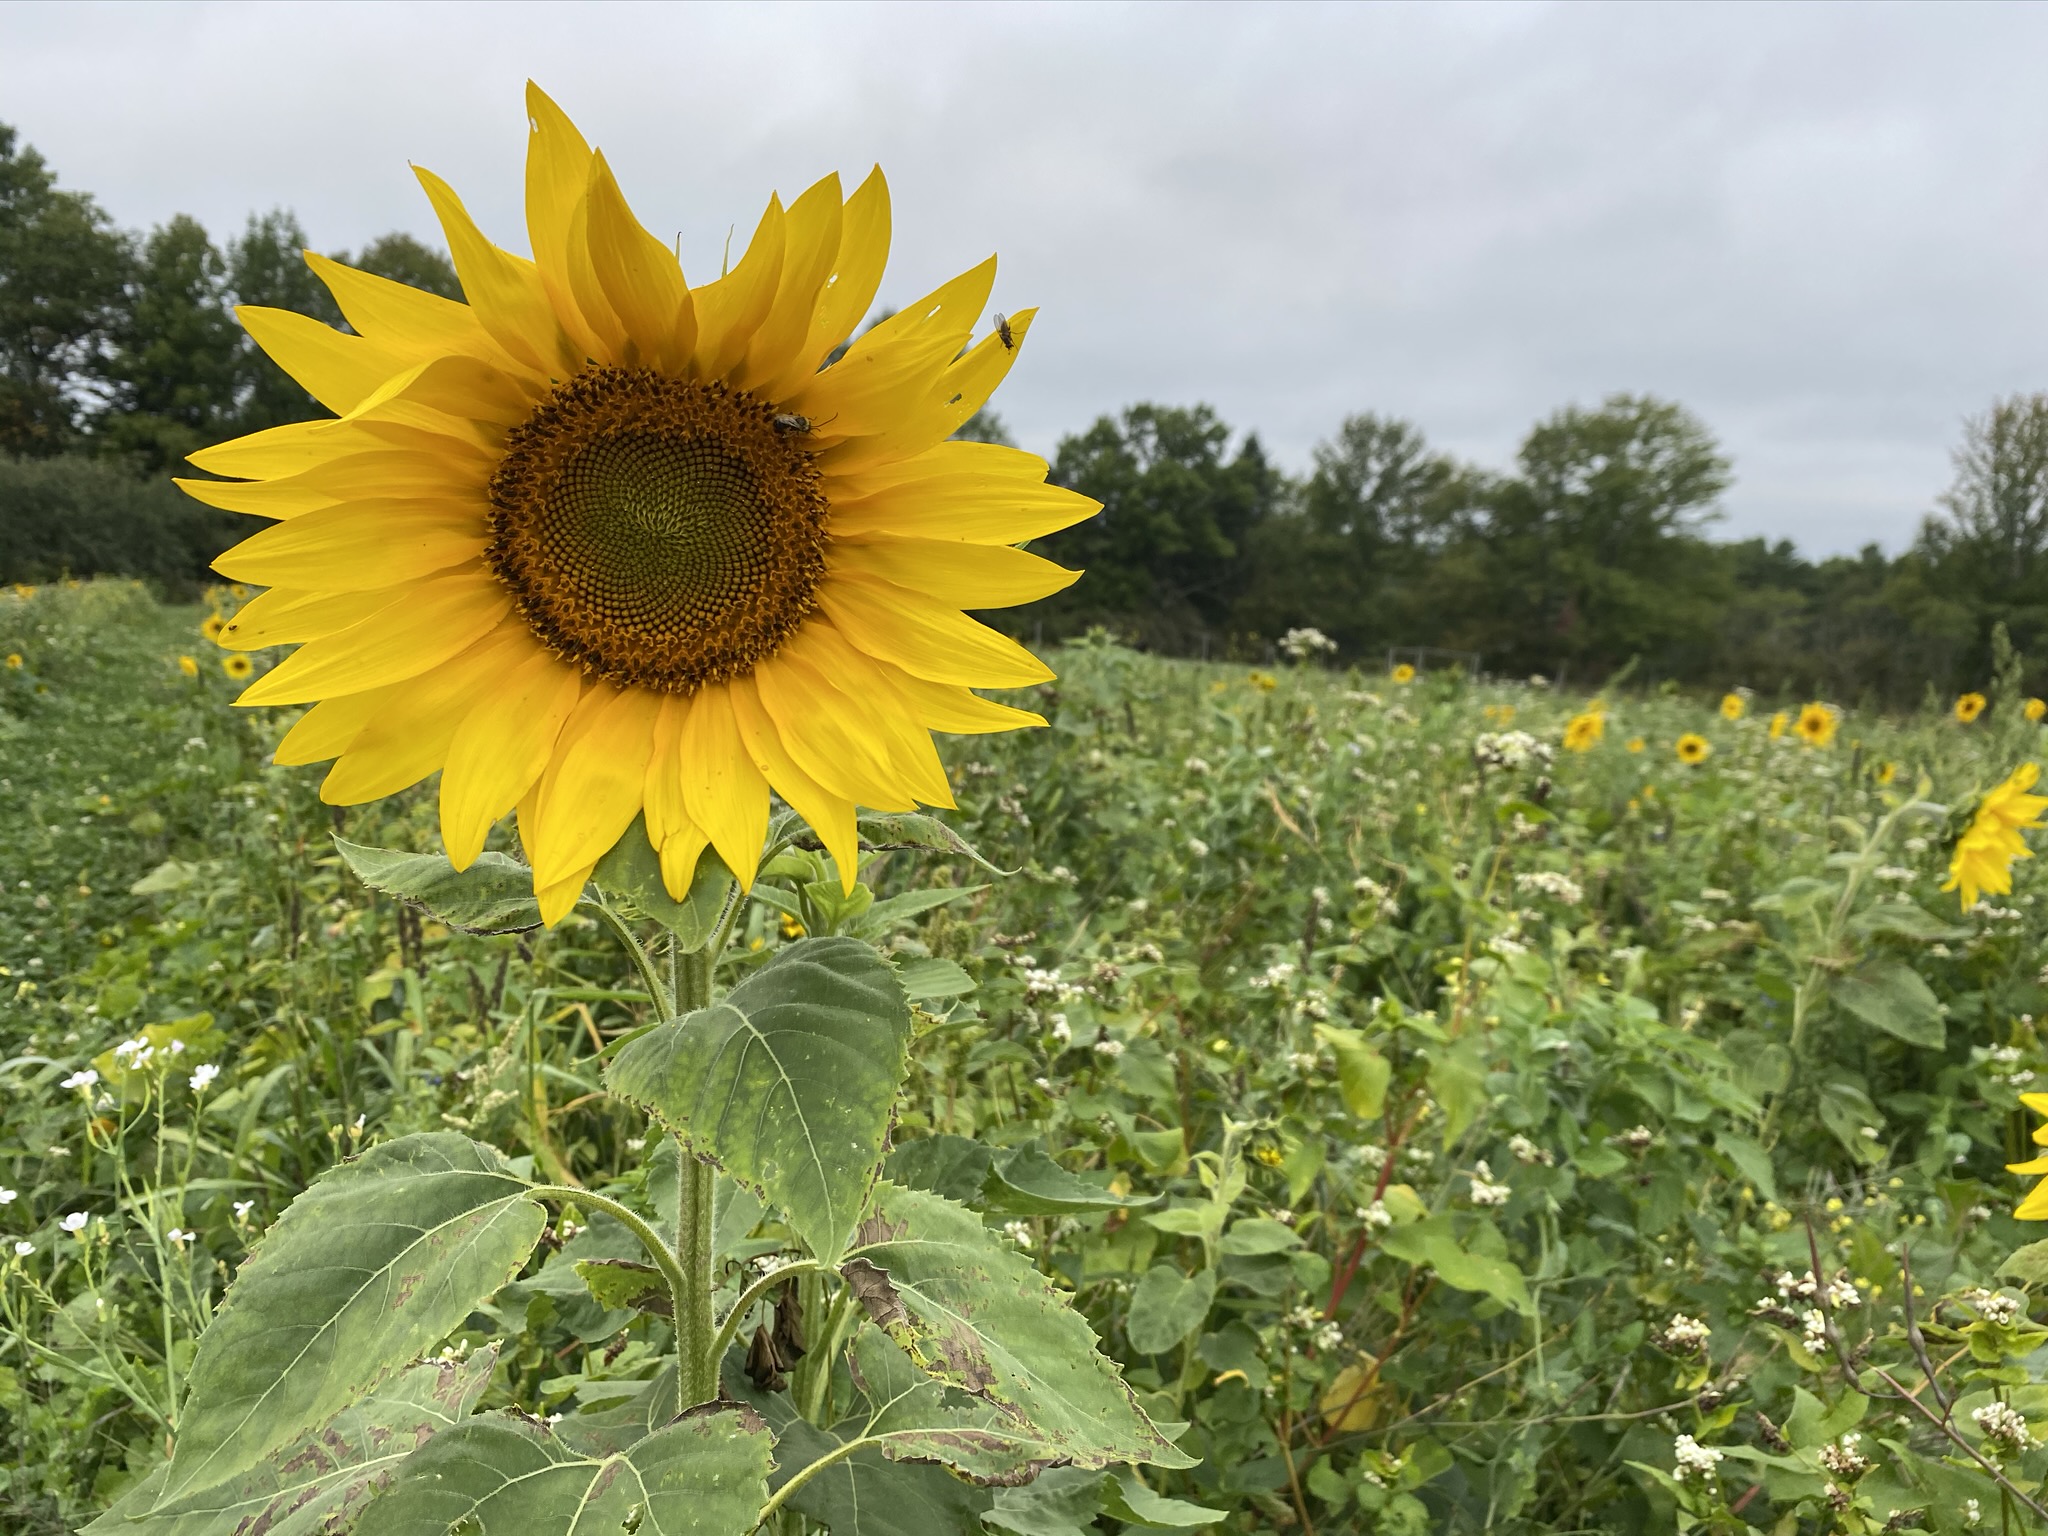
120,354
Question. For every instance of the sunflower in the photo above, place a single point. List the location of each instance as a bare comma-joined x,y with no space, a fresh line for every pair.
188,665
1584,730
1636,744
14,661
2035,709
1886,772
1984,854
599,546
1403,674
1265,682
1780,723
1693,747
237,666
2035,1206
1732,706
1816,725
213,626
1969,706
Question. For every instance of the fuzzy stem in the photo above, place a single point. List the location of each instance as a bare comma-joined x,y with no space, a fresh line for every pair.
695,1197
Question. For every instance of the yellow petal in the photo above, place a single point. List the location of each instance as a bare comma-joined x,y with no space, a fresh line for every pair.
973,509
2035,1165
639,275
960,465
557,172
291,449
818,728
407,321
723,791
447,392
360,545
731,309
680,854
505,290
831,816
871,392
407,738
958,711
557,901
2037,1102
373,472
679,840
882,715
964,575
432,623
925,637
283,616
325,730
948,312
335,368
810,247
2035,1206
958,392
850,291
501,747
591,790
608,332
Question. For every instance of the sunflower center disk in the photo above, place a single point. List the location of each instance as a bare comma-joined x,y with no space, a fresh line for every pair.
661,533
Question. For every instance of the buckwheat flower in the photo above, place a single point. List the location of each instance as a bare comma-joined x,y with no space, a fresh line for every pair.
2004,1426
75,1221
1484,1190
1109,1048
1376,1216
1198,848
1694,1460
1018,1232
1814,1322
203,1076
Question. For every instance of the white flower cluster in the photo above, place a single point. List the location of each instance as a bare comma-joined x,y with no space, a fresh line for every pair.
1814,1324
1995,1308
1196,767
1484,1190
1376,894
1548,882
1694,1459
1300,644
1683,1334
1636,1137
83,1079
1526,1151
2004,1426
1273,975
1973,1512
1109,1048
1043,984
1841,1458
1376,1216
1510,749
1897,874
1018,1232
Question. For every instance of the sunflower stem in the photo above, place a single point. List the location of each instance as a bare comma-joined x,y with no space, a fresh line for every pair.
695,1196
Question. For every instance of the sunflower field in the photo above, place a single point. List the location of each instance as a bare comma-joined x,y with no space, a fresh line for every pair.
1440,1128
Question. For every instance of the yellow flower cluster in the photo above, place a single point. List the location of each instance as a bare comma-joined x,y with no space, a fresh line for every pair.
1985,853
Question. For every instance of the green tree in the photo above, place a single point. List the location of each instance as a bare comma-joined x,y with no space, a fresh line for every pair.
1987,548
179,357
403,259
1166,556
62,270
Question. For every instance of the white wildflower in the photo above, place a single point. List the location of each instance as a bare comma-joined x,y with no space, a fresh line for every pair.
1484,1190
1814,1324
1694,1460
1018,1232
1526,1151
23,1248
83,1079
1685,1335
1548,882
1841,1458
203,1076
1062,1031
1109,1047
75,1221
1198,848
1376,1216
2004,1426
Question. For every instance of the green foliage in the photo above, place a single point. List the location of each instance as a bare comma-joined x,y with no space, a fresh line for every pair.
77,515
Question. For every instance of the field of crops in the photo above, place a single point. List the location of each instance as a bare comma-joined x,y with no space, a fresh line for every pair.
1443,1128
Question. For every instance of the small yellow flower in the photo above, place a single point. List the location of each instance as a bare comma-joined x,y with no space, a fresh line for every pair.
1501,714
1219,686
1886,772
237,666
1695,748
1779,722
1403,674
2035,709
1969,707
14,662
1732,706
188,666
791,928
1636,743
1984,854
237,590
1817,724
1584,730
1649,791
1265,682
24,591
212,627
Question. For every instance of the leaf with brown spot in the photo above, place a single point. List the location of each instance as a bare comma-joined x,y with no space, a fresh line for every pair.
980,1317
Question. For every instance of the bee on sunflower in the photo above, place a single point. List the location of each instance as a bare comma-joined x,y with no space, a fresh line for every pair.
1817,724
1984,854
1733,706
1583,731
1968,707
1693,748
600,547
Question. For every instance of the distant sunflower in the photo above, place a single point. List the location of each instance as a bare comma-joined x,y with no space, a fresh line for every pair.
1732,706
237,666
1635,744
1780,723
15,661
1985,853
1265,682
1693,747
2035,1206
1403,674
2035,709
1583,731
1886,772
1969,706
188,665
598,545
1816,725
213,626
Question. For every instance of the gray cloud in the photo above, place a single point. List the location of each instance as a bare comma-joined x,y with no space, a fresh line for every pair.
1820,227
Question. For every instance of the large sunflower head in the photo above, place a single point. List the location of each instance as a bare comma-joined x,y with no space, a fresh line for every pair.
600,545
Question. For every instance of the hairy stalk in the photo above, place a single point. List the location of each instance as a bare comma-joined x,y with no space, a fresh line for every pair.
696,1193
651,1240
664,999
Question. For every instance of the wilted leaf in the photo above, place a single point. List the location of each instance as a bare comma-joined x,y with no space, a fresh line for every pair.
916,830
379,1259
786,1084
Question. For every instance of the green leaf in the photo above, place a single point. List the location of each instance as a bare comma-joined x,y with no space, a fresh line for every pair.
1750,1160
377,1261
1126,1498
1166,1307
786,1084
620,1283
1907,921
1026,1182
1434,1241
1362,1072
1063,1502
979,1316
953,1166
1846,1110
319,1482
2028,1265
915,830
1256,1235
493,895
886,916
1893,998
704,1475
631,872
924,979
1457,1077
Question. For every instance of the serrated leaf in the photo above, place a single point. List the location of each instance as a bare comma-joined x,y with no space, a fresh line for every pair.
1255,1235
378,1260
320,1481
1434,1241
1166,1307
787,1084
493,895
977,1315
1026,1182
631,871
1126,1498
1893,998
617,1284
1750,1160
704,1475
953,1166
1064,1502
886,916
924,979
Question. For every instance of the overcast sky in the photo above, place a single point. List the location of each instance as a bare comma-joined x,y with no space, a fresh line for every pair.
1823,228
